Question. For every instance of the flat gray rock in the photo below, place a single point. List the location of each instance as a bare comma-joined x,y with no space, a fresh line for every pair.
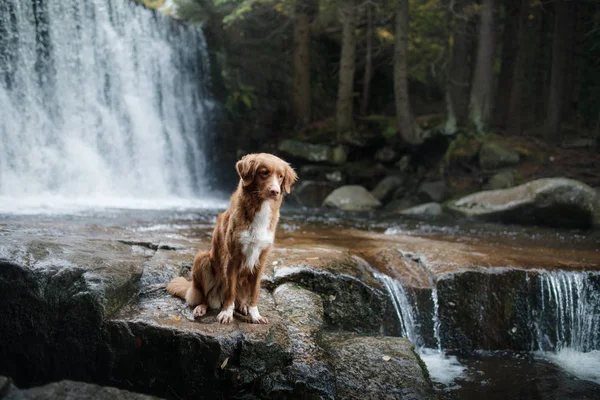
352,198
557,202
429,209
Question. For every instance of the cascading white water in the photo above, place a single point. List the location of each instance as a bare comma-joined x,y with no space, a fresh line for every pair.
100,99
404,308
443,369
570,310
567,322
436,318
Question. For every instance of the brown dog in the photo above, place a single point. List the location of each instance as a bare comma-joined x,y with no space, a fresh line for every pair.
229,274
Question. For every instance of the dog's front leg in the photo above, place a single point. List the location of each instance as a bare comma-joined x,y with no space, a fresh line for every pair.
226,314
254,282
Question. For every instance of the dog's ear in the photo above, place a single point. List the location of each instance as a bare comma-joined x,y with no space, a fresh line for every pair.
246,168
289,178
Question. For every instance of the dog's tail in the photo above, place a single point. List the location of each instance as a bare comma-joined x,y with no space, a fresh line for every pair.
179,287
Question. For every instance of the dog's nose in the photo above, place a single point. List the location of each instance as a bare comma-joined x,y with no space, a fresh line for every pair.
274,192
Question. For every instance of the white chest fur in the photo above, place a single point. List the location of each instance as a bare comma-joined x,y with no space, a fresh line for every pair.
257,237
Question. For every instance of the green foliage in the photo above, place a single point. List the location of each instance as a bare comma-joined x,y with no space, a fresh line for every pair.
193,10
518,177
242,100
236,10
156,4
428,36
390,131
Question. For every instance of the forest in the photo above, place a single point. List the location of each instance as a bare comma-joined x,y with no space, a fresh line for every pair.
513,67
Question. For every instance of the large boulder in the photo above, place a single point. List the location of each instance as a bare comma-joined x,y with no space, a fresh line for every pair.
556,202
55,290
352,198
88,302
314,152
494,155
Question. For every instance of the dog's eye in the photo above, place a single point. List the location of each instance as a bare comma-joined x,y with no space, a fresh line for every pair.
280,176
265,172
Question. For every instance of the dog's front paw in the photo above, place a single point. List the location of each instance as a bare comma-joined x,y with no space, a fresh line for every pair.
260,320
225,316
255,316
200,310
243,309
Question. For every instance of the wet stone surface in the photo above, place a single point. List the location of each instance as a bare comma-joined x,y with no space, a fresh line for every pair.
82,297
69,390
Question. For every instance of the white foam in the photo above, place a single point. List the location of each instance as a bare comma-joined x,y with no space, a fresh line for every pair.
60,204
583,365
443,369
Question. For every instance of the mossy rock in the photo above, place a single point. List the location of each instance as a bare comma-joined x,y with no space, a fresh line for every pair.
463,149
493,155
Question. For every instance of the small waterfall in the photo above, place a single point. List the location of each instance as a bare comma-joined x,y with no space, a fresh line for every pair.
567,322
404,308
568,315
101,99
442,368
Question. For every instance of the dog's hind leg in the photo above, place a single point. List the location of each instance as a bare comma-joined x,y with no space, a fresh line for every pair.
242,296
196,296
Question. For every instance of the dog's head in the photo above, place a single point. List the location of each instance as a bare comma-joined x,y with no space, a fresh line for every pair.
266,175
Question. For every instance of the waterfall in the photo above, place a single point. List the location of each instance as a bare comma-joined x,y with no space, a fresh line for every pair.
568,315
101,99
567,322
442,368
403,307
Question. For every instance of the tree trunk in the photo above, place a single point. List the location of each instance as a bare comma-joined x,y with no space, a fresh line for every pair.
364,103
560,44
482,90
575,59
406,124
343,115
301,101
510,48
514,114
459,75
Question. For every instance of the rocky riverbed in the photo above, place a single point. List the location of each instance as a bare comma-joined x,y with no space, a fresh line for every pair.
82,298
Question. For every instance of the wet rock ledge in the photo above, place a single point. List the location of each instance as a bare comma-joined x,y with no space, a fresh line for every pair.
86,302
